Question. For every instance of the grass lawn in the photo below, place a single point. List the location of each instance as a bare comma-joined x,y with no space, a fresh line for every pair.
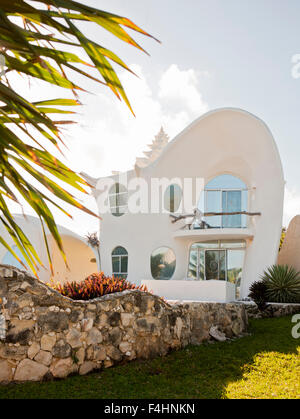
263,365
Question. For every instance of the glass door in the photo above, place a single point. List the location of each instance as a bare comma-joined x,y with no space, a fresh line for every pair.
215,264
232,202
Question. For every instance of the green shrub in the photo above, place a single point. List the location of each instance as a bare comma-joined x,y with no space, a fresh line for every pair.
258,293
95,286
283,284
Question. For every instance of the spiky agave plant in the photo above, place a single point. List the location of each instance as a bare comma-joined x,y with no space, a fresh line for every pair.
283,284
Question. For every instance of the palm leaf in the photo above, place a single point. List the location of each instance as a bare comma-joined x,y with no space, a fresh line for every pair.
36,43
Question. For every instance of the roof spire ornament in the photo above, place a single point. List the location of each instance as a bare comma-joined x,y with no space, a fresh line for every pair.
161,139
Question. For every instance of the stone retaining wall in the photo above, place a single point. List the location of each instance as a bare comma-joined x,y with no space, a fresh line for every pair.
45,335
273,310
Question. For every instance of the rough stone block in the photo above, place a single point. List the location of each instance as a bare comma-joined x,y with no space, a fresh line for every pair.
61,368
33,350
94,337
29,370
6,373
61,349
47,342
73,338
43,357
87,367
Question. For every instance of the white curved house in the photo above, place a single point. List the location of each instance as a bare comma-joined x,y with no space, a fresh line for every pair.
233,155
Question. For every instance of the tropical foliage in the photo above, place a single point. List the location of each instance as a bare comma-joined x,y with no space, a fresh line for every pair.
42,40
282,284
96,285
258,293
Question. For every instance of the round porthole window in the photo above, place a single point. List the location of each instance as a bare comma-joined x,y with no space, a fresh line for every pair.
163,263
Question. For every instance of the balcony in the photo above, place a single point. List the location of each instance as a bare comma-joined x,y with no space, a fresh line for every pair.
214,233
195,226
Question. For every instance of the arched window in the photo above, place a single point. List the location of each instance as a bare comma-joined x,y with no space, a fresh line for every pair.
120,262
118,199
225,193
9,259
172,198
163,263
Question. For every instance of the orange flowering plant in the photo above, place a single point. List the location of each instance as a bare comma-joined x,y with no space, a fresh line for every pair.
96,285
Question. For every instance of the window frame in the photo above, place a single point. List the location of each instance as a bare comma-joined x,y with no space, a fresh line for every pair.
119,259
220,192
117,210
175,262
170,198
218,247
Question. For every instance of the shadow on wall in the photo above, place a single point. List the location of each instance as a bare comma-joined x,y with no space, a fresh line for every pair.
80,257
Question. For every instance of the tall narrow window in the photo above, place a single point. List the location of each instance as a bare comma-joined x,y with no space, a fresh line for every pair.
172,198
120,262
118,199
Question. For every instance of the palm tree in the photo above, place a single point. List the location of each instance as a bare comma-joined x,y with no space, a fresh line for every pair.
35,40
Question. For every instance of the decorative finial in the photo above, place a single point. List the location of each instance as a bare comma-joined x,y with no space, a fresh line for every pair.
161,139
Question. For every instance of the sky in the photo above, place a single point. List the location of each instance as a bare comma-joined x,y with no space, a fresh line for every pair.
213,54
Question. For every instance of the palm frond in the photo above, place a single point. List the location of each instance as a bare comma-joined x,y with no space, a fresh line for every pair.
40,40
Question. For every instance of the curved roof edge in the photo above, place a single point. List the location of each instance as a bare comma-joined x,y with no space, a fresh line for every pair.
35,220
214,111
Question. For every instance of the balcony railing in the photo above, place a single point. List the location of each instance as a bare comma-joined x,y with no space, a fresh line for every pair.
198,222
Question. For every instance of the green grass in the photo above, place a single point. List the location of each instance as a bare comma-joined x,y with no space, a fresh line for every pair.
265,364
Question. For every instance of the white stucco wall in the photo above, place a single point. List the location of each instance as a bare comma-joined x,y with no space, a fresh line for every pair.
229,141
210,291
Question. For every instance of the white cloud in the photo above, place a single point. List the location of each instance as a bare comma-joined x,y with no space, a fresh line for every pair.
178,89
108,137
291,205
